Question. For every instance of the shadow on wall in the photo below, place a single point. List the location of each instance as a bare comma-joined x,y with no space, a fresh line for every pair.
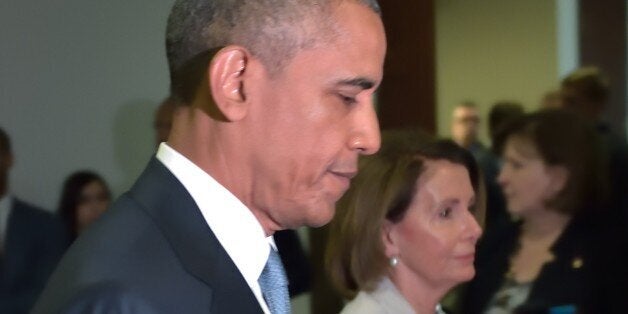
133,140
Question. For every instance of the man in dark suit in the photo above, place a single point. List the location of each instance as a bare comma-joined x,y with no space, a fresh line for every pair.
31,243
287,241
278,107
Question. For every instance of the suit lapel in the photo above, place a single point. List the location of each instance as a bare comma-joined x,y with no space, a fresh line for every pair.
171,206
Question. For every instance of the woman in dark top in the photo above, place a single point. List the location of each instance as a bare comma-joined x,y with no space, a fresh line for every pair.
557,254
84,198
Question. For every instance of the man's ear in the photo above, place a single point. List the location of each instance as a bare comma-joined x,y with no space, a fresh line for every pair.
227,81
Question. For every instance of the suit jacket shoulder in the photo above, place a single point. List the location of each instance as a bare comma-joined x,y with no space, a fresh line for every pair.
35,241
151,250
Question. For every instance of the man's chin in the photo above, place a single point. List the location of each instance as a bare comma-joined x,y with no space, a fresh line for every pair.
314,214
319,217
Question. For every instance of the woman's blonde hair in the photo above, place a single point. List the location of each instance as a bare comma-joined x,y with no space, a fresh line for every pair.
383,190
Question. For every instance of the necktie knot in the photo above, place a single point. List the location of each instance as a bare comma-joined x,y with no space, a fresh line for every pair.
274,284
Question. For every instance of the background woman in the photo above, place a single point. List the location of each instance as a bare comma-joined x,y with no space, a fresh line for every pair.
549,257
85,196
405,232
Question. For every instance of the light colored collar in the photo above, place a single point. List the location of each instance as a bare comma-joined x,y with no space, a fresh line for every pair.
389,297
387,294
236,228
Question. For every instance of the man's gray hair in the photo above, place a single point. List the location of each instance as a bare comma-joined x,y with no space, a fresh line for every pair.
272,30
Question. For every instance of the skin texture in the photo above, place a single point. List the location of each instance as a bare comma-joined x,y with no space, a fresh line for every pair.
465,125
287,144
93,203
435,241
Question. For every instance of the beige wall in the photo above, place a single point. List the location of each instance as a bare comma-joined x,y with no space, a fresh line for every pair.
489,50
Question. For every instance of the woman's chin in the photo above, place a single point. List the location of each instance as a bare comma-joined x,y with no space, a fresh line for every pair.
466,275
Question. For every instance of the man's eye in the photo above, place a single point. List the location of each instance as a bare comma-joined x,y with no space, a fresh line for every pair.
347,100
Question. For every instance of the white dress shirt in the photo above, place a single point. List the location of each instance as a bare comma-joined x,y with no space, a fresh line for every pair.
5,210
236,228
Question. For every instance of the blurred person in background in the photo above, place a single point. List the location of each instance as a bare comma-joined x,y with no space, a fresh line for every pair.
551,100
502,113
405,233
85,196
465,125
586,92
558,254
32,241
162,122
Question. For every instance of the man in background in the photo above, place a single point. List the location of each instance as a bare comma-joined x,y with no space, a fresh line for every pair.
279,106
465,126
31,243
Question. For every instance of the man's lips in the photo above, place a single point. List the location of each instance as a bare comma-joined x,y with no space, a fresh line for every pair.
344,178
349,174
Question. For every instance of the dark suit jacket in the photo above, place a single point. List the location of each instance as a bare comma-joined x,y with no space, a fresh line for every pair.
34,243
152,252
588,271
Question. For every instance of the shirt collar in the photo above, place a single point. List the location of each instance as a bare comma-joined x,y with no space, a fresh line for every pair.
235,227
390,298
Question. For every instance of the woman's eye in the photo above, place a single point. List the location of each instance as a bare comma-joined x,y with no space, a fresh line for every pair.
514,164
445,213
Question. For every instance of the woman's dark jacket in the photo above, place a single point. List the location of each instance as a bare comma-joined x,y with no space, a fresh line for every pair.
589,271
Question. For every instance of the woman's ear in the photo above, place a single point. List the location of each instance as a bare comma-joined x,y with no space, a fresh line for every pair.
559,175
388,235
227,81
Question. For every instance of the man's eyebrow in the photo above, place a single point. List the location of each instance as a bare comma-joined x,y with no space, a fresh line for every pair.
362,82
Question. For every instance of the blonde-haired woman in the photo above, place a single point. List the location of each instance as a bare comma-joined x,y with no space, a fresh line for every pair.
405,233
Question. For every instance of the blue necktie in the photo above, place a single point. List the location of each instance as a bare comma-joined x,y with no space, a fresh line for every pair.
274,285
